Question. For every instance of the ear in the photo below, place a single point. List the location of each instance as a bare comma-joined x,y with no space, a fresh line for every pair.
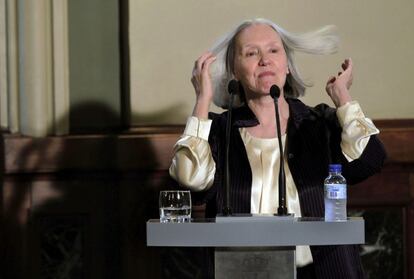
287,70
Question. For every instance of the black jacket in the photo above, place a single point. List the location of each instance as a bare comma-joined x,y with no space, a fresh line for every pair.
313,142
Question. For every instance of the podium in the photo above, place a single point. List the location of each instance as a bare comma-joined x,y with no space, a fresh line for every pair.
257,246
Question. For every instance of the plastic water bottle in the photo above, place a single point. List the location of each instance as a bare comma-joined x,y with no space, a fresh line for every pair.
335,194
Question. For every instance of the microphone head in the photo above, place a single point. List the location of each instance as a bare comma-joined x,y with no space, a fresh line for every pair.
274,91
233,87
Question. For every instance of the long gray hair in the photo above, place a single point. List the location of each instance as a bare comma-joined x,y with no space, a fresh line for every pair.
321,41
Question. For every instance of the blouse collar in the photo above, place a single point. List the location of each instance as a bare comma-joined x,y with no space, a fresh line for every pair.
244,116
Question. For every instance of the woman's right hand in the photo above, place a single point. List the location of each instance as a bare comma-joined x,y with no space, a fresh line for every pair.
201,81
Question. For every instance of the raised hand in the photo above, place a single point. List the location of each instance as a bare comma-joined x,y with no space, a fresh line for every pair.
201,81
338,86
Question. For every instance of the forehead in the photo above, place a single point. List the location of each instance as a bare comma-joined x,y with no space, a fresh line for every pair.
257,34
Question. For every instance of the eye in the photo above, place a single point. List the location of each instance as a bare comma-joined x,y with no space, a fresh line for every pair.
274,50
251,53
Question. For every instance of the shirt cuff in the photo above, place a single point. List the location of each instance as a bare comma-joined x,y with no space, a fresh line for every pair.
199,128
349,112
356,130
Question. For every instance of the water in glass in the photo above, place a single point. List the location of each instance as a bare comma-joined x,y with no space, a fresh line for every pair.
175,206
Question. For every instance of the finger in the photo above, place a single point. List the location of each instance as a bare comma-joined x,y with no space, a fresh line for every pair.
195,76
207,63
195,69
204,55
198,64
195,83
331,80
350,64
200,61
347,64
346,61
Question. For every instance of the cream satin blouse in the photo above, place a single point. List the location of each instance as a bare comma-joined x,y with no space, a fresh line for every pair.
193,165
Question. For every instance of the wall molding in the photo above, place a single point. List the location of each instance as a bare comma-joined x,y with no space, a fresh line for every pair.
148,148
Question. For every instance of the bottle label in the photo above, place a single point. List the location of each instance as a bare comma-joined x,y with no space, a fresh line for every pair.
335,191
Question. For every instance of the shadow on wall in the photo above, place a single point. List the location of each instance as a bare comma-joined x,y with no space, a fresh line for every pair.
93,118
87,218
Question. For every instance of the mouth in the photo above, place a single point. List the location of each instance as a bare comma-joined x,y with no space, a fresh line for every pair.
266,74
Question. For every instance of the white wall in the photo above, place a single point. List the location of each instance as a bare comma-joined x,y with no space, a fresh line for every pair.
166,37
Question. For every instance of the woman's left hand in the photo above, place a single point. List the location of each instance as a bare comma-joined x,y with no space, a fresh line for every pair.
338,87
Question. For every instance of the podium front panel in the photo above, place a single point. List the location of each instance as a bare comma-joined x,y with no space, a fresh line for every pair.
255,262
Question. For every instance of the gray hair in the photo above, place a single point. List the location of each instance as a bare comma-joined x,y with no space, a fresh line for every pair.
321,41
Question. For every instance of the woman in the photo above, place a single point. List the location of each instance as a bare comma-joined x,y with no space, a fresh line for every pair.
258,54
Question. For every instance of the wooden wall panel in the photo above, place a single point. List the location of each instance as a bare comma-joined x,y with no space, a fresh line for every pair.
124,172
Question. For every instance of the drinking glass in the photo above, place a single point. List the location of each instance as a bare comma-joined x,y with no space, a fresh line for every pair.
175,206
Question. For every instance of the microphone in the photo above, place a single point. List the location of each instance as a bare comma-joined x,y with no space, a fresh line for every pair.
275,92
233,88
282,209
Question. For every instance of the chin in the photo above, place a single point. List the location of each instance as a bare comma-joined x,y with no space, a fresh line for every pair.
262,90
268,83
266,89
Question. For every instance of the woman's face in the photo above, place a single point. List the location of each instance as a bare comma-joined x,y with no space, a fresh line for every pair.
260,60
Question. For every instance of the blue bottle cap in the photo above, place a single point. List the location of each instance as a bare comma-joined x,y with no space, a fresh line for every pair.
335,167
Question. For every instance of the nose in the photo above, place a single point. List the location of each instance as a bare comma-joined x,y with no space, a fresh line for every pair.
264,60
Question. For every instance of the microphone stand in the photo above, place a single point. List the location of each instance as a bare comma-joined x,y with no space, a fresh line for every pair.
282,209
233,89
227,214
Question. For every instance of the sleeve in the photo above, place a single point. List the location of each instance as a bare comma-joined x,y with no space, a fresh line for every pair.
353,143
193,166
356,130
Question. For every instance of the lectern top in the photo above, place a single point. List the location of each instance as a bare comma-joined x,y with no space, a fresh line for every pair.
298,231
